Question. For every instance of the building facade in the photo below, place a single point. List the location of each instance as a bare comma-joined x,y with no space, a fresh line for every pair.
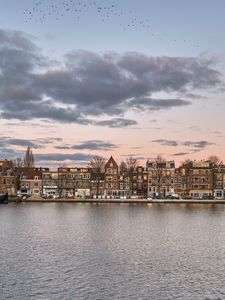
139,182
31,181
219,182
8,182
111,179
74,182
50,183
161,175
200,179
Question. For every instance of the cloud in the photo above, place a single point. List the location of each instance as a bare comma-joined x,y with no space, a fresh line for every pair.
90,145
9,146
48,140
8,141
181,153
196,145
116,123
85,85
8,152
166,142
63,157
17,39
157,104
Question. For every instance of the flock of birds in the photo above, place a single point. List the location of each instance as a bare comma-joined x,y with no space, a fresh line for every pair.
40,12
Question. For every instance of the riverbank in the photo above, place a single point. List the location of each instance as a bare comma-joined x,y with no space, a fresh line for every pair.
128,201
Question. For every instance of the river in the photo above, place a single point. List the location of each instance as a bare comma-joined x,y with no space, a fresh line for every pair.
112,251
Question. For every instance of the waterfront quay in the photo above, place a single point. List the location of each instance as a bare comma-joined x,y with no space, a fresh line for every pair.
120,201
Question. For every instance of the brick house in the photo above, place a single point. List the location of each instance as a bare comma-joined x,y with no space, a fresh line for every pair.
218,182
97,184
8,182
139,182
111,178
124,185
31,181
161,175
50,183
74,182
200,179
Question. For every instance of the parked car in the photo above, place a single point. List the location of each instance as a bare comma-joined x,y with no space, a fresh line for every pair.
173,197
186,197
207,197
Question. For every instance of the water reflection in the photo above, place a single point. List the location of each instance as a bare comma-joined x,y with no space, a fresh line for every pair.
85,251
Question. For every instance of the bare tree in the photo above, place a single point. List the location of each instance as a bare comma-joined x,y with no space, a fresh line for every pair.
123,168
216,164
215,160
131,164
17,170
29,158
185,174
17,163
97,165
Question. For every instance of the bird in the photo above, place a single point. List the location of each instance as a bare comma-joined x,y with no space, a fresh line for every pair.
128,20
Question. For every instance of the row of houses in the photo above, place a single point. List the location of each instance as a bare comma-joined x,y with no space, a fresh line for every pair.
159,178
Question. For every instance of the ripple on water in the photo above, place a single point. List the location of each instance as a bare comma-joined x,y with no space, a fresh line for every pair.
112,252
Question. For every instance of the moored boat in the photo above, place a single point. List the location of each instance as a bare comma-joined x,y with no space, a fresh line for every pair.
4,199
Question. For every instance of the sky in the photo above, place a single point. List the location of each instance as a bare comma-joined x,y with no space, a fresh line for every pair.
123,78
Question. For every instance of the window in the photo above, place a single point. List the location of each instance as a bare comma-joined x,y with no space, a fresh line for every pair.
35,177
87,176
219,194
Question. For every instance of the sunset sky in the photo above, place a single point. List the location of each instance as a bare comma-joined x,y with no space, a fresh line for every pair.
130,77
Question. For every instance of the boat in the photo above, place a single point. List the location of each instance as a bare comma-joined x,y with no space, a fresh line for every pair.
4,199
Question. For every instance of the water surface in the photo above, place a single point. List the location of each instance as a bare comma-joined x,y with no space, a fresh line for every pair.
112,251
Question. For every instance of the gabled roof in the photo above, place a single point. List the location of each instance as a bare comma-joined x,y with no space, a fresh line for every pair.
111,160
